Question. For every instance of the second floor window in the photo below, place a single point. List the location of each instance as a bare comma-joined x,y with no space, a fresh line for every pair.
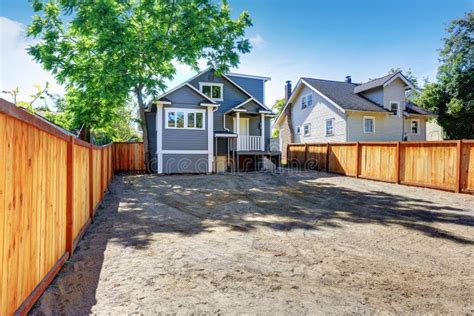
394,107
306,101
214,91
330,127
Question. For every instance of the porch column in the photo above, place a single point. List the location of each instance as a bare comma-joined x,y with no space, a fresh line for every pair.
237,128
159,137
210,138
262,132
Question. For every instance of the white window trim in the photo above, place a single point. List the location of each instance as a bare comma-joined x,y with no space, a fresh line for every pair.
212,84
333,127
309,129
305,97
398,107
373,125
185,111
418,129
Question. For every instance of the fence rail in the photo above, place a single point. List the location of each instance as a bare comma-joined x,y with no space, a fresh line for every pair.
445,165
50,186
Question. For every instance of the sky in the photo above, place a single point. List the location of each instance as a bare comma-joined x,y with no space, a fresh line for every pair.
291,39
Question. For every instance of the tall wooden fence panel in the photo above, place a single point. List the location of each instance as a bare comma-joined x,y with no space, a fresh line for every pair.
129,157
343,158
81,188
47,184
378,161
467,167
430,165
445,165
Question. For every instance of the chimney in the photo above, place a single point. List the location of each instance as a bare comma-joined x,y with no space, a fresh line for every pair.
287,90
348,79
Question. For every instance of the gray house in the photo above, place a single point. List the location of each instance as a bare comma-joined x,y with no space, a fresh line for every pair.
211,123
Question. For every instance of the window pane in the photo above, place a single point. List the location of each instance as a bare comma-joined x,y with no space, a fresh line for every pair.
171,119
310,100
191,120
199,119
369,125
414,127
394,108
216,92
180,120
206,90
303,102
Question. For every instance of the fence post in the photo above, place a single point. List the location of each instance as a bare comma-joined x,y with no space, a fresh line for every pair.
288,154
69,195
91,183
102,169
357,160
328,147
458,182
305,153
398,162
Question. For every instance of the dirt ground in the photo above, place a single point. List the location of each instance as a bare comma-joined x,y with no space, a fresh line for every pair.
270,244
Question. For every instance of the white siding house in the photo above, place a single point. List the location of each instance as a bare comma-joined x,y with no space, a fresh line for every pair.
341,111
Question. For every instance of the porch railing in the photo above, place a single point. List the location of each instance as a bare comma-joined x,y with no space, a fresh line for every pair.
249,142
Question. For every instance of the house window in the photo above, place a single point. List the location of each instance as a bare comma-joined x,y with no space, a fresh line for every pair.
306,101
298,130
394,107
214,91
303,102
307,130
184,119
330,127
415,127
369,124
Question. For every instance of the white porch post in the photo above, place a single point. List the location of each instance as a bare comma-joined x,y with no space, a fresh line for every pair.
237,129
262,132
210,138
159,136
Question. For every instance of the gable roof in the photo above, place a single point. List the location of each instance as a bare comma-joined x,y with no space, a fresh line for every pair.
342,93
224,76
185,84
339,93
382,81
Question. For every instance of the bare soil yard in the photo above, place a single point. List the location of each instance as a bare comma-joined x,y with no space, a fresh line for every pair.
270,244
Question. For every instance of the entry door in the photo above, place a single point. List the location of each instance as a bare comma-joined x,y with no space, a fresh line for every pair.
244,126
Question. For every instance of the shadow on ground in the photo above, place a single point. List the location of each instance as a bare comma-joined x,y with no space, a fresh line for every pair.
140,207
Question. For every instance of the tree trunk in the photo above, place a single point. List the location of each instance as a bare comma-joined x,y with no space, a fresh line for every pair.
141,110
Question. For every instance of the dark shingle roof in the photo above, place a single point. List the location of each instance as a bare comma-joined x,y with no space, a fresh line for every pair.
374,83
342,93
412,108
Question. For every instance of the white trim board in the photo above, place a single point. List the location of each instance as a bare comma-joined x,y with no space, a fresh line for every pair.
185,152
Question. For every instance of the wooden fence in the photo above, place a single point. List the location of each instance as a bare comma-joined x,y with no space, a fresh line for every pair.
50,186
445,165
129,157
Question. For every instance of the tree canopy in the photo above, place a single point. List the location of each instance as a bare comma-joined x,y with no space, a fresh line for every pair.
103,50
452,96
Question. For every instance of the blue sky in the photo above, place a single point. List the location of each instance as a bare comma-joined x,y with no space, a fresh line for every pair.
292,39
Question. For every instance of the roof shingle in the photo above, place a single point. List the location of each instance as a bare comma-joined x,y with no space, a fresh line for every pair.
342,93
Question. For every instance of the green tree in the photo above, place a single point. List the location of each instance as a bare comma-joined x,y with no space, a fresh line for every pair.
452,96
277,108
106,49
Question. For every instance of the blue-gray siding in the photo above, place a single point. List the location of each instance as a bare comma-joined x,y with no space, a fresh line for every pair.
253,86
185,139
181,163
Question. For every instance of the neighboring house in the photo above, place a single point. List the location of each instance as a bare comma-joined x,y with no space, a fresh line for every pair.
341,111
210,123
